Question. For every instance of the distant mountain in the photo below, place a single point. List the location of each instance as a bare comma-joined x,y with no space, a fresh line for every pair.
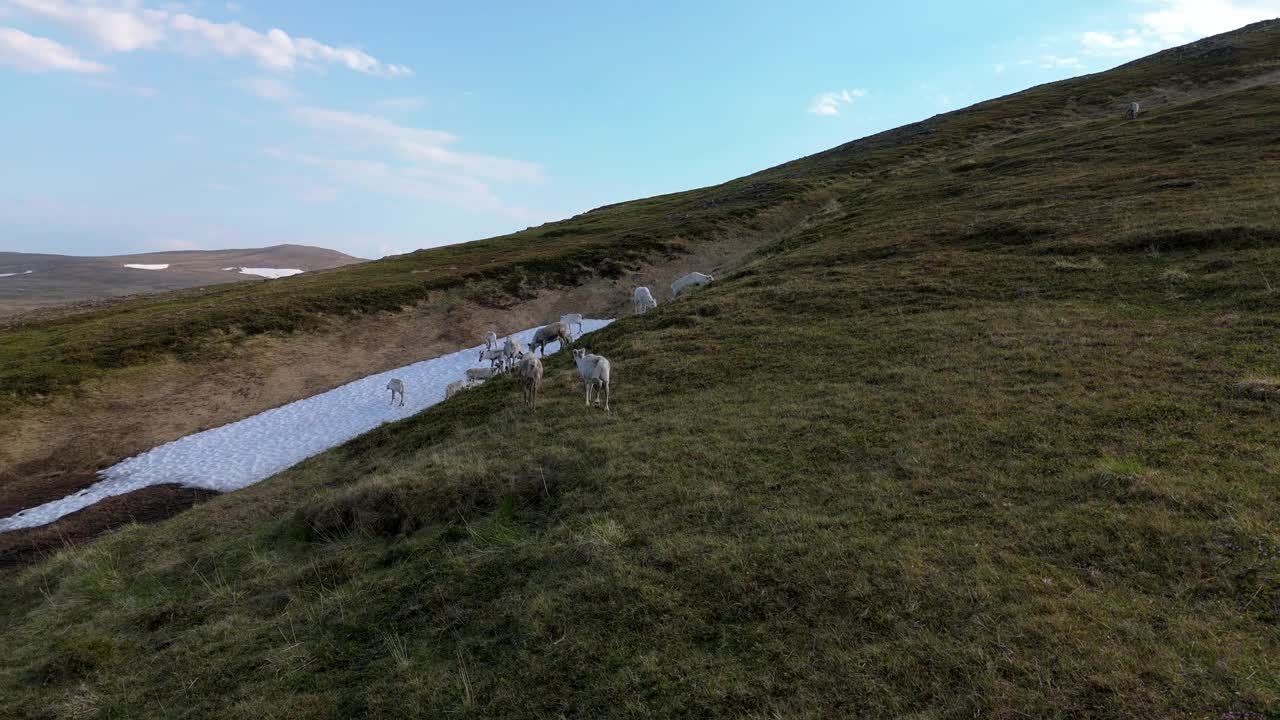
31,280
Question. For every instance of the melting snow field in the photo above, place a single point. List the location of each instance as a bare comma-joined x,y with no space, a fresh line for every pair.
141,266
270,272
250,450
24,272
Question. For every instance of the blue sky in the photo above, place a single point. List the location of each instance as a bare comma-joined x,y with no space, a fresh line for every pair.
379,128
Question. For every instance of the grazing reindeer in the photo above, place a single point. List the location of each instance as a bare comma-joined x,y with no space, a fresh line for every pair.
475,375
642,301
693,279
396,386
1133,110
530,379
550,333
594,370
513,350
496,357
571,320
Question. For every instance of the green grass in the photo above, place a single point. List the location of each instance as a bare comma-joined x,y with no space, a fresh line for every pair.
898,464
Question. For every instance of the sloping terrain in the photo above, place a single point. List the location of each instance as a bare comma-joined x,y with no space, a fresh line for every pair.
987,428
31,280
53,446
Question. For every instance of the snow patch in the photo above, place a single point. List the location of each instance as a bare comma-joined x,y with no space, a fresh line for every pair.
142,266
270,272
248,451
24,272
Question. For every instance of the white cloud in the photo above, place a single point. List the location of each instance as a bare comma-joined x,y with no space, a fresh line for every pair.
383,177
1054,62
377,154
1100,43
371,126
829,103
233,7
1174,22
126,26
1198,18
423,148
402,181
268,89
119,29
217,187
29,53
999,68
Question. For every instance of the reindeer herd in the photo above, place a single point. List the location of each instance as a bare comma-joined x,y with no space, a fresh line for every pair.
512,355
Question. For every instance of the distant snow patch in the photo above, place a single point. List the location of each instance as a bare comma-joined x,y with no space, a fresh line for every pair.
270,272
140,266
24,272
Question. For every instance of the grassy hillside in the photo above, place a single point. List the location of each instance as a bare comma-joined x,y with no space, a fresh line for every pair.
55,355
992,434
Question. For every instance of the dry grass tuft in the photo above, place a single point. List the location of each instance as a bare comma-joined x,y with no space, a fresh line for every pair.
1090,265
601,536
1258,388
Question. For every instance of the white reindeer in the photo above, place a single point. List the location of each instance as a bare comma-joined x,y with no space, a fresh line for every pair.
1133,110
490,340
396,386
571,320
496,357
475,375
530,379
454,388
550,333
594,371
512,350
642,301
693,279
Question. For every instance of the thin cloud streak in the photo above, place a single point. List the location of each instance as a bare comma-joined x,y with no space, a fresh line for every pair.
126,26
29,53
829,103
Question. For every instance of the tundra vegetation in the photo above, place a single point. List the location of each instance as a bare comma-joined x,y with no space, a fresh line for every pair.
896,464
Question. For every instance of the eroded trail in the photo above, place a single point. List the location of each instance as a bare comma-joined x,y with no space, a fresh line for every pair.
248,451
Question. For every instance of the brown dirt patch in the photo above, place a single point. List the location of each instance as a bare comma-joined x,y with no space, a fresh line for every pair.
19,548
